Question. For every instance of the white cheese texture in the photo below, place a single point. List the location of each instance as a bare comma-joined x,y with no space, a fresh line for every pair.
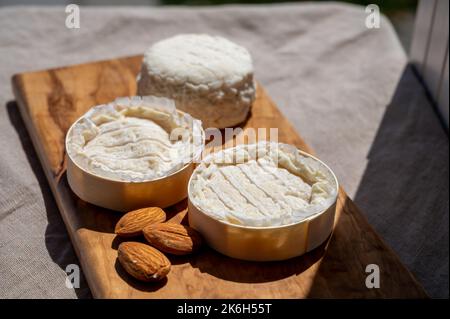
134,139
262,185
209,77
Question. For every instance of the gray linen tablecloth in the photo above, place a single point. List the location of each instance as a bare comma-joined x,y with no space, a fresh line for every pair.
347,89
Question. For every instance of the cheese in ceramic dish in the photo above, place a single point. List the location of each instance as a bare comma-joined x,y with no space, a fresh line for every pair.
134,139
262,185
209,77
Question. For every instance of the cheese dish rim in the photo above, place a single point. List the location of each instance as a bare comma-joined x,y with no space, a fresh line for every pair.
332,199
198,155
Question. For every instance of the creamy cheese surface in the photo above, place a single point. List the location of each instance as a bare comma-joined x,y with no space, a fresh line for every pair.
209,77
264,184
134,139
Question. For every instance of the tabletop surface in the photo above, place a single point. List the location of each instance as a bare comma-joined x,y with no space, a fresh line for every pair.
320,65
51,100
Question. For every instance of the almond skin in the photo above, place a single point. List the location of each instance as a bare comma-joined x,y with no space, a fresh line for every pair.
131,224
142,261
173,238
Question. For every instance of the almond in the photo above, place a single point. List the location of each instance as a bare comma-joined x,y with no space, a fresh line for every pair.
132,223
173,238
142,261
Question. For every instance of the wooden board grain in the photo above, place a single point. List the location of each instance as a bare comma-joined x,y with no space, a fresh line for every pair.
51,100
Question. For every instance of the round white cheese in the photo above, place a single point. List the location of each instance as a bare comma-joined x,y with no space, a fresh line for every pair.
134,139
209,77
262,185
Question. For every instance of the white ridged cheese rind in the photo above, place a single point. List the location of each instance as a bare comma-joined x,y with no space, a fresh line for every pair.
134,139
262,185
209,77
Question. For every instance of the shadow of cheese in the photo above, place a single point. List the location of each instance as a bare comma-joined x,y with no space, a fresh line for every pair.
404,189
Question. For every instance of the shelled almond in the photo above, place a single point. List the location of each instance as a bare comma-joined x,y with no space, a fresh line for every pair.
173,238
142,261
131,224
147,262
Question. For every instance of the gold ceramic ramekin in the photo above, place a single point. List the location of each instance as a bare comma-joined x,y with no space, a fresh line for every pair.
125,196
265,243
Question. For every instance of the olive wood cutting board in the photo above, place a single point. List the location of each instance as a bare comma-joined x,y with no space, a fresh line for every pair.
51,100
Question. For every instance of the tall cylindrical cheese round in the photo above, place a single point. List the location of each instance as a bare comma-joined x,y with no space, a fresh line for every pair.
209,77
